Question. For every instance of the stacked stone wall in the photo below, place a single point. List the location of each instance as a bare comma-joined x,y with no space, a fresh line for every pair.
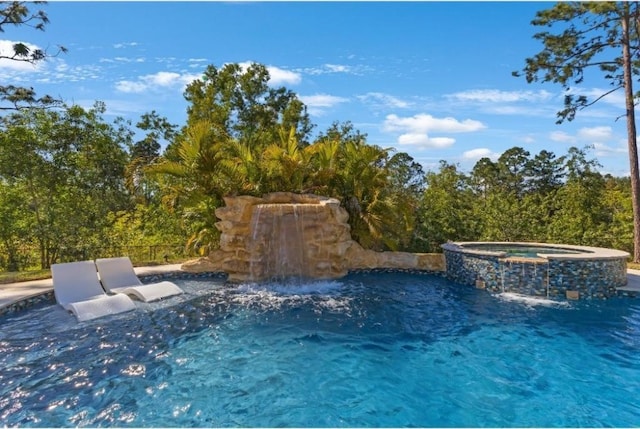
544,277
327,251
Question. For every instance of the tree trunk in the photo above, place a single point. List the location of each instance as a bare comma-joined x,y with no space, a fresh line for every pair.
631,134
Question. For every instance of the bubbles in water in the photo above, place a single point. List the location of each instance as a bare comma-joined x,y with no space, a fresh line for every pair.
532,301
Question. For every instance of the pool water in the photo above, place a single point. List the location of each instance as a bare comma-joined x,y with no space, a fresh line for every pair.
521,251
369,350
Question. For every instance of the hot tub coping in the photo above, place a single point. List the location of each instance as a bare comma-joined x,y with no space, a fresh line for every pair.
585,252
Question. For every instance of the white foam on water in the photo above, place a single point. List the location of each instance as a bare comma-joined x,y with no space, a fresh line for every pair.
532,301
315,287
324,294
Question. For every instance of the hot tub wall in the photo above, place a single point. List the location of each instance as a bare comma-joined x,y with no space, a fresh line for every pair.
467,269
597,278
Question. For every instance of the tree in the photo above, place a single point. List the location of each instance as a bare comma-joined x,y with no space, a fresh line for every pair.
145,152
14,225
593,35
582,216
17,13
512,170
446,211
193,182
240,101
484,177
545,173
617,199
69,167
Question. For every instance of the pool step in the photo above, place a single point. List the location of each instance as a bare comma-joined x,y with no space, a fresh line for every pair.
633,282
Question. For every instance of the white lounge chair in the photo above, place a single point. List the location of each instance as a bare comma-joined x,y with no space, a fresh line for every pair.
77,289
117,276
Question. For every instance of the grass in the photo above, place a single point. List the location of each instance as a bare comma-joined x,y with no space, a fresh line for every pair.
23,276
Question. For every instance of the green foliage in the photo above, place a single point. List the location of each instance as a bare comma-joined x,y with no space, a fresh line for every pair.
240,103
602,36
541,198
446,209
144,153
14,227
588,35
69,168
145,225
192,183
78,187
244,137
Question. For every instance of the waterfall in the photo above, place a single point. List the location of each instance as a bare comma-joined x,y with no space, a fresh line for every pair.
278,248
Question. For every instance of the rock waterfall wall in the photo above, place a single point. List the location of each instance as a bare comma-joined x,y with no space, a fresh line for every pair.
285,234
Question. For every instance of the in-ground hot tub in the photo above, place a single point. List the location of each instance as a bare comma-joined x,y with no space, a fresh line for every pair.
537,269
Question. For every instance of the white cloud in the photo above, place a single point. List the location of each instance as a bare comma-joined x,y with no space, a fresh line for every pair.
164,78
125,45
197,62
316,104
322,100
497,96
561,136
603,150
615,98
160,80
329,68
424,141
6,49
122,60
416,130
131,87
481,152
381,100
337,68
598,134
423,123
528,139
277,76
280,76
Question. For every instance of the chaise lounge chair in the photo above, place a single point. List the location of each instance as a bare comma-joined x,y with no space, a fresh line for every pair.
117,276
77,289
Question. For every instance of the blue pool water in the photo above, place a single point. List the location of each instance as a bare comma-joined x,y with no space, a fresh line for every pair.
520,250
370,350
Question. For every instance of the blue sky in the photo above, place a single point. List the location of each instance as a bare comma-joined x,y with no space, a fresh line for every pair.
432,79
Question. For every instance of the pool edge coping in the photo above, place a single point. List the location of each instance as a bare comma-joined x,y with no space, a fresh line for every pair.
586,252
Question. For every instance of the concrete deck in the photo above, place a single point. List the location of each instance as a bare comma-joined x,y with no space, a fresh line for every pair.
15,292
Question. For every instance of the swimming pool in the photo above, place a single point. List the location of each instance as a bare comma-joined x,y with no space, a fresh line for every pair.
369,350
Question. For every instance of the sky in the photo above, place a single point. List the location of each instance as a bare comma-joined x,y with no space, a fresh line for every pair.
432,79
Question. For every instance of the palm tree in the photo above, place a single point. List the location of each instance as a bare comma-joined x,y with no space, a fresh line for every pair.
362,186
287,164
193,182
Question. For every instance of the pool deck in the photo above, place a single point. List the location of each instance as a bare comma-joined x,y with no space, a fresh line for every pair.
633,281
11,293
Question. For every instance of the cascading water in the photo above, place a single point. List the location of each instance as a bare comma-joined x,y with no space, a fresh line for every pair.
278,248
